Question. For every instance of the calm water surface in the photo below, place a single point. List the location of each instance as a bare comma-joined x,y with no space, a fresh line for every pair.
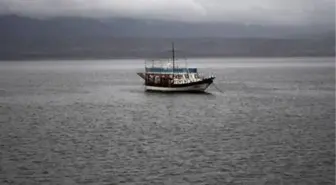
90,122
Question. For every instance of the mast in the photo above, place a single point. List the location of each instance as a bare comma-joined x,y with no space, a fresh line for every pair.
173,52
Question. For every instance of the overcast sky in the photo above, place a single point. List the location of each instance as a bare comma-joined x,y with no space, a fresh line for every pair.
247,11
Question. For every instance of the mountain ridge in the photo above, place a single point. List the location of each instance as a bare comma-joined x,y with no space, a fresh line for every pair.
73,37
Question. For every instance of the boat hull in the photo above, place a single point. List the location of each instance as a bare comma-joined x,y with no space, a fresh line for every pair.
191,87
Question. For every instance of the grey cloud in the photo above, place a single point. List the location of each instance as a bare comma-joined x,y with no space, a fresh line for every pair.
251,11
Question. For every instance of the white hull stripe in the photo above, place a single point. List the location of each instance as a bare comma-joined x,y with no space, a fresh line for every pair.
199,87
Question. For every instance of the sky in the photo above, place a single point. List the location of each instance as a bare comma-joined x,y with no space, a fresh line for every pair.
244,11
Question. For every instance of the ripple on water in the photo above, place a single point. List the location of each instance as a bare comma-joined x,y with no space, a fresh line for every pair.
86,127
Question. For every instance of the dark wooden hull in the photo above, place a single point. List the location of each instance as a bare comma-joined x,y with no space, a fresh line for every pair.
199,86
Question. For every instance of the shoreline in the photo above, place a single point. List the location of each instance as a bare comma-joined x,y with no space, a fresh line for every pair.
147,58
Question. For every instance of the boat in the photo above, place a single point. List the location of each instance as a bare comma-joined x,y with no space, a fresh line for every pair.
169,77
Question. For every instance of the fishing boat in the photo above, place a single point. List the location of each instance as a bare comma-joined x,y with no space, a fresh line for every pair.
167,76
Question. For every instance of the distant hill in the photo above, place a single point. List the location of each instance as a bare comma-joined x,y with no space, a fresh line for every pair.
27,38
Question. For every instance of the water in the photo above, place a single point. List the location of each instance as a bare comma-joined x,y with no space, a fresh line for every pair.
90,122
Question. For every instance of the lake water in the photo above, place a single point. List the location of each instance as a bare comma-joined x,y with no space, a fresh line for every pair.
90,122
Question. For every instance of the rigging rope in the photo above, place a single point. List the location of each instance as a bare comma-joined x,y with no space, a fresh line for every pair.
218,89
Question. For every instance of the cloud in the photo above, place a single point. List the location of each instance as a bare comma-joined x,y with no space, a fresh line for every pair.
248,11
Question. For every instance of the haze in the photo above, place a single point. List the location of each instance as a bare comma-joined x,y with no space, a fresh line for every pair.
290,12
